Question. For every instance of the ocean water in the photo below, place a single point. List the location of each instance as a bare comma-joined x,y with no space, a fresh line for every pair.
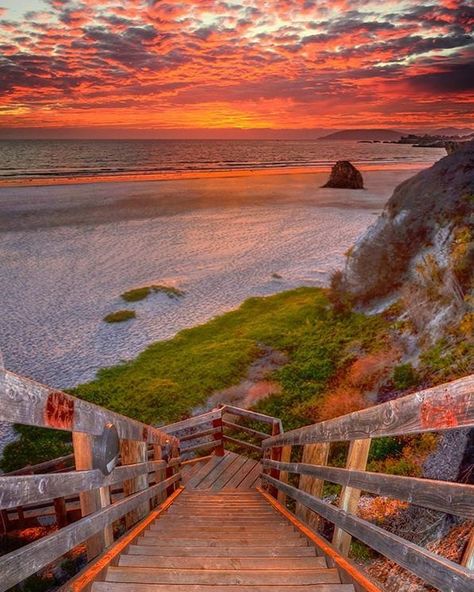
21,159
67,252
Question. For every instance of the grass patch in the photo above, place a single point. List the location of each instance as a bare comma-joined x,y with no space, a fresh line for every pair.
141,293
120,316
167,380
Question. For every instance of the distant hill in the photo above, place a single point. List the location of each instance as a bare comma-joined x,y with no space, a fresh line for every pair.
452,131
364,134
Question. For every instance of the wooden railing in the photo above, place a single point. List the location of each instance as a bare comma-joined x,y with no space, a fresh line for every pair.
446,407
211,431
148,473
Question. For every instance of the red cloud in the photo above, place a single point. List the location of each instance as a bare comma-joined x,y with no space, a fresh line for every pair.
208,63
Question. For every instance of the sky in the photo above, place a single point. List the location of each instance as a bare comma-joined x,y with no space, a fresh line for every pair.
164,67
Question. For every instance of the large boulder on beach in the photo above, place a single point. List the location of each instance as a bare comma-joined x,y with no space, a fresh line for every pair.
425,218
344,175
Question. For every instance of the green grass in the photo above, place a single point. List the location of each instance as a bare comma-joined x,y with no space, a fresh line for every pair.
170,378
141,293
120,316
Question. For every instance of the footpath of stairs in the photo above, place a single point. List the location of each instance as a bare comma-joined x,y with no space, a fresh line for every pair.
221,541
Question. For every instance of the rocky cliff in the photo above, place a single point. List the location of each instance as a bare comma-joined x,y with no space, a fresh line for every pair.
424,218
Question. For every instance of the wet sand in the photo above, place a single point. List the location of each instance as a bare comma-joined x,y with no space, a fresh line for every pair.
29,208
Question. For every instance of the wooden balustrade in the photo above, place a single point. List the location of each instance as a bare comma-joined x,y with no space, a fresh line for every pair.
25,401
445,407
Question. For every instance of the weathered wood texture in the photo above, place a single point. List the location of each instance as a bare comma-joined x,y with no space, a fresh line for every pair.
241,428
33,489
444,407
23,562
24,401
251,415
349,498
285,458
133,452
312,454
243,444
433,569
178,428
91,500
468,556
452,498
349,572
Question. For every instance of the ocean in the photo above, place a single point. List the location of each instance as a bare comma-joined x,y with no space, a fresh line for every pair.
67,252
44,159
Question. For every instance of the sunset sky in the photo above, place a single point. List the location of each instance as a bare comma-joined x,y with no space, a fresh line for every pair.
282,64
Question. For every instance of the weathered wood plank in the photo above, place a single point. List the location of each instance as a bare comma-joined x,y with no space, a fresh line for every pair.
443,496
433,569
125,587
285,458
245,578
203,446
201,434
65,462
349,572
252,415
176,428
133,452
32,489
23,562
349,498
242,443
444,407
468,556
95,570
312,454
28,402
241,428
90,500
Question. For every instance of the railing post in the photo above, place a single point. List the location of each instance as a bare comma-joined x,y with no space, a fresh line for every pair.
160,475
313,454
285,458
90,500
60,511
275,454
132,452
356,460
217,423
468,557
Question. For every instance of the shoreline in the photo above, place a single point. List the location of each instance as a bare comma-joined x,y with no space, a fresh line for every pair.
181,176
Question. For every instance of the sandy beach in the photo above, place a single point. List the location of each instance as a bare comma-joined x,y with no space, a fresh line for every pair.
28,207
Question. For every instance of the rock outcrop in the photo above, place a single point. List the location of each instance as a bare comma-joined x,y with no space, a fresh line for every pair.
344,175
424,212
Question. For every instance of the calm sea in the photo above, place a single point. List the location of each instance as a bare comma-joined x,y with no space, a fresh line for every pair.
22,159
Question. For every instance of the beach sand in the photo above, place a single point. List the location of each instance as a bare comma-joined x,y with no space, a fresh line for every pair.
28,207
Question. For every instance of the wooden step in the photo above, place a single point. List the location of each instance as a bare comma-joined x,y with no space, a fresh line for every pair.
222,563
223,551
214,542
244,577
121,587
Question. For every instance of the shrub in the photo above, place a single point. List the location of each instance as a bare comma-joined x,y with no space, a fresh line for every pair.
366,372
141,293
120,316
338,296
404,376
341,401
381,448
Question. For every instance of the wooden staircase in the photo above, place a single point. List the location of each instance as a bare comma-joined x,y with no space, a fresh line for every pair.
221,541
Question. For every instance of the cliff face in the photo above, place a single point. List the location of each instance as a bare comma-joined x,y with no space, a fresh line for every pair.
423,218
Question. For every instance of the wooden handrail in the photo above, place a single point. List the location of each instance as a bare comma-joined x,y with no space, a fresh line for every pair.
433,569
444,407
32,489
443,496
23,562
27,402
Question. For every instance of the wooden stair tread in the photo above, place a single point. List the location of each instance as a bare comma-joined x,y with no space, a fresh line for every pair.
221,563
248,577
220,541
127,587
